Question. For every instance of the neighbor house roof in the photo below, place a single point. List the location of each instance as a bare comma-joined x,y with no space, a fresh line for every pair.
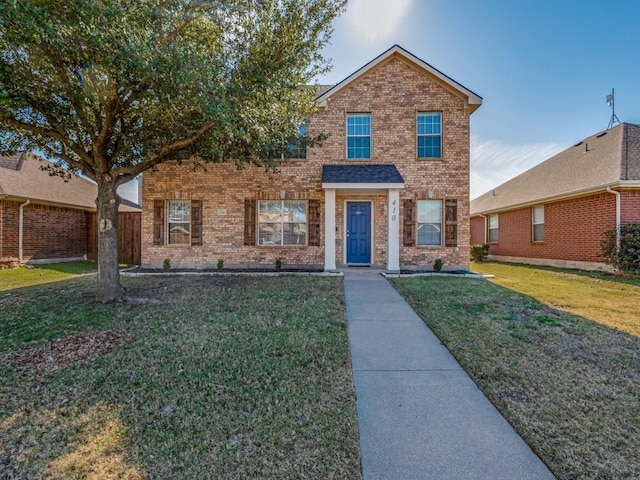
472,99
22,178
609,158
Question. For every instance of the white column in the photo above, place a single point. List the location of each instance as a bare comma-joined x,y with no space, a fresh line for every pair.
329,229
393,233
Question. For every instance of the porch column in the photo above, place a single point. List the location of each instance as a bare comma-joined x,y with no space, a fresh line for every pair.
329,229
393,231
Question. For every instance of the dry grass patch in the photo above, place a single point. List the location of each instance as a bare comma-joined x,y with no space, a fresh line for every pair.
569,386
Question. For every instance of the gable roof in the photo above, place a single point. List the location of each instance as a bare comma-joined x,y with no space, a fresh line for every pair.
609,158
22,178
472,99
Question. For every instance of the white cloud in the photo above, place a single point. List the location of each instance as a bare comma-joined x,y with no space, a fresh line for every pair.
375,21
494,162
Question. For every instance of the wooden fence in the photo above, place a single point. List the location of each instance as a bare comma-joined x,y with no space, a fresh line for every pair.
129,237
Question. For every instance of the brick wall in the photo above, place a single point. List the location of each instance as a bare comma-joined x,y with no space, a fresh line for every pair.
393,92
573,230
49,232
629,206
477,230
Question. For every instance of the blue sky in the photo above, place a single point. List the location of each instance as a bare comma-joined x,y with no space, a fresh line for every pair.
542,67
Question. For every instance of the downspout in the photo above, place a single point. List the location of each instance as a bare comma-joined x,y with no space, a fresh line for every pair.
21,229
617,194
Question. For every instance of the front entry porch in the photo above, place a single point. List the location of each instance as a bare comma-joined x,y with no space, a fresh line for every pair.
354,191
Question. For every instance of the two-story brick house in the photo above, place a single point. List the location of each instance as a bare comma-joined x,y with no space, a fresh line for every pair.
389,186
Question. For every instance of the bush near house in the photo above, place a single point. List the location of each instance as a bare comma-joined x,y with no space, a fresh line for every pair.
626,256
479,252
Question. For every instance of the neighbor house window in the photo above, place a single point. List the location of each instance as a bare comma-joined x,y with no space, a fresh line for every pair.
359,135
282,222
179,222
537,215
429,135
430,223
493,228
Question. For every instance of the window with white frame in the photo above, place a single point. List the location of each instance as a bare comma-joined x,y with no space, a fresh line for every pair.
296,148
178,222
359,135
493,225
429,129
537,228
282,222
430,223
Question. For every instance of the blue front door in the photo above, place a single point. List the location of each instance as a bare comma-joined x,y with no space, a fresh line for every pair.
358,232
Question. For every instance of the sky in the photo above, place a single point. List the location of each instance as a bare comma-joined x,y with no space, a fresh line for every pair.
543,68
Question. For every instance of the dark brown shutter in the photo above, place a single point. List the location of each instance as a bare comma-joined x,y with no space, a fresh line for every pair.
196,222
409,235
313,223
451,223
158,222
250,214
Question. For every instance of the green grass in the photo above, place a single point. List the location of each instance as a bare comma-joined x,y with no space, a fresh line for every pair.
35,275
568,385
230,377
601,297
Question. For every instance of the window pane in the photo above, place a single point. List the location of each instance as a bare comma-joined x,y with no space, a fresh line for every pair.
178,222
430,234
538,214
429,131
493,234
538,233
282,222
295,211
269,233
493,221
429,211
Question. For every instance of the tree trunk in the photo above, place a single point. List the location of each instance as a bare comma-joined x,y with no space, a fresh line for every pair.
108,289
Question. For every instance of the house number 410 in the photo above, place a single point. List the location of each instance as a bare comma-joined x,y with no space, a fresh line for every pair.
394,209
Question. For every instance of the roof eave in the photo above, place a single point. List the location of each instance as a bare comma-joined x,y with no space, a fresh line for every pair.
562,196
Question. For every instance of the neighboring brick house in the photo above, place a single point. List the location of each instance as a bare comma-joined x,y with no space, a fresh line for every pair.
389,187
42,217
557,212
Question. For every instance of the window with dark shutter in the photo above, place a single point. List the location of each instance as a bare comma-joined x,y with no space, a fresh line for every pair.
196,222
451,223
314,223
250,215
158,222
408,236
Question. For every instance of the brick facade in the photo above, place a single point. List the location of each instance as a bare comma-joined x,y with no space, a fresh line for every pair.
393,92
574,228
49,232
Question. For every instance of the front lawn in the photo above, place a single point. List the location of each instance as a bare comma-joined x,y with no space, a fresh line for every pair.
570,386
24,276
230,377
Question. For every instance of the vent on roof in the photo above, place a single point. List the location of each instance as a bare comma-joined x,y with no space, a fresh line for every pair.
602,134
578,144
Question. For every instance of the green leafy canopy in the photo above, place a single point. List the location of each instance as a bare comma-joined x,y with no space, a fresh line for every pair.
115,87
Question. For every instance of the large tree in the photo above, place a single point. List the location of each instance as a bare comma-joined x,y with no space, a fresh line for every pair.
111,88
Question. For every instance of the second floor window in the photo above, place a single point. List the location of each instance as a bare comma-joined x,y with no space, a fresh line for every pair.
359,135
429,135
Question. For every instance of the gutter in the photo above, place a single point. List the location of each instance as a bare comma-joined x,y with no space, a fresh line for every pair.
618,217
21,229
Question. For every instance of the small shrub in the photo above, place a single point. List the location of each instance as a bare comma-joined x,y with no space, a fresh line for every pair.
278,264
166,265
220,264
479,252
627,257
437,265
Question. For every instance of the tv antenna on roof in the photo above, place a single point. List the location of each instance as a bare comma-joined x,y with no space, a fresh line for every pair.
611,101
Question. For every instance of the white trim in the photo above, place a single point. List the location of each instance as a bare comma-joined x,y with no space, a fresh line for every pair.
393,230
363,186
371,226
329,229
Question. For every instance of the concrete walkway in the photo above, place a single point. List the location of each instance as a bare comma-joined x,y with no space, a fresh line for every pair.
419,413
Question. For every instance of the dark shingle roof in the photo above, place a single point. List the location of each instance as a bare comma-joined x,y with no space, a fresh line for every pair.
361,174
603,159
